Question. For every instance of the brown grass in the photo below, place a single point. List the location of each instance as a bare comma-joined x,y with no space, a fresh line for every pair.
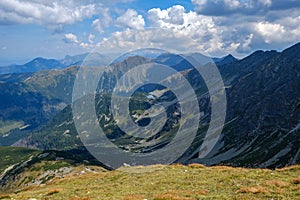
278,183
296,180
134,197
226,168
196,165
289,168
178,165
171,197
79,198
54,191
180,194
254,190
202,192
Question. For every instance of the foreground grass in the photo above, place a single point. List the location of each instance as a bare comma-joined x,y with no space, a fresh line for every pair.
173,182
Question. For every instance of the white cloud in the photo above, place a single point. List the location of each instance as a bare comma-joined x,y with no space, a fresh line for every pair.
91,38
84,45
271,32
45,12
266,2
97,25
191,31
245,45
166,18
174,29
103,21
71,38
131,19
232,4
277,33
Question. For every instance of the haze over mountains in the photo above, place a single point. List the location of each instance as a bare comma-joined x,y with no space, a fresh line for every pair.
39,64
263,111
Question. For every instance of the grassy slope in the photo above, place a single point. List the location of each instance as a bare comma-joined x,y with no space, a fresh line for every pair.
12,155
171,182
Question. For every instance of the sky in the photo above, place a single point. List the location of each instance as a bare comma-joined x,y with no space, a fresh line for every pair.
54,29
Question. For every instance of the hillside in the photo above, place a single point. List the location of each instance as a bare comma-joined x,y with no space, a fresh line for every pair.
21,167
175,182
12,155
30,100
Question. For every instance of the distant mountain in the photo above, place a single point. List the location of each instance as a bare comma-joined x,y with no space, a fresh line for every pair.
149,53
40,64
94,59
71,60
97,59
37,64
225,60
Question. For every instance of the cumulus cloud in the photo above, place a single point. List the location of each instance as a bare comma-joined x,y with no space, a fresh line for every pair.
216,27
84,45
97,25
48,13
277,33
103,21
254,24
91,38
174,29
131,19
168,17
71,38
271,32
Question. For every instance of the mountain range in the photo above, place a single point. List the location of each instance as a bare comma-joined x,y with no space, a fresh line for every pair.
262,125
40,64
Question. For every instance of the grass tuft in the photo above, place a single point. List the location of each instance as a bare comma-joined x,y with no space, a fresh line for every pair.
54,191
254,190
171,197
79,198
196,165
134,197
296,180
278,183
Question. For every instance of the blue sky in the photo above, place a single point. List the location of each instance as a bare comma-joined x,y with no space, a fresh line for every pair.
53,29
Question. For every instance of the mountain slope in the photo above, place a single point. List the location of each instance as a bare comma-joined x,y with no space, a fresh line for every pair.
30,100
263,111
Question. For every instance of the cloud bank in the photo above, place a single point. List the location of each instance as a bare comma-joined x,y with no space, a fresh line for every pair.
214,27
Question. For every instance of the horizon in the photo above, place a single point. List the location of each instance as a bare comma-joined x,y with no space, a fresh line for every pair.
63,57
214,28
